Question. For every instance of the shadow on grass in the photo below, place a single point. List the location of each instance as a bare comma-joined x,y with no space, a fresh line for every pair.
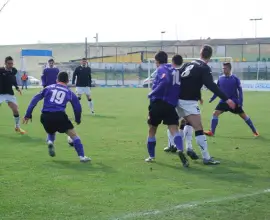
221,172
101,116
75,165
24,139
259,139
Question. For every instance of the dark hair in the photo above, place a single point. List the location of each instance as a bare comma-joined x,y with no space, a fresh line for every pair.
161,57
227,64
207,52
50,60
62,77
177,60
84,59
9,58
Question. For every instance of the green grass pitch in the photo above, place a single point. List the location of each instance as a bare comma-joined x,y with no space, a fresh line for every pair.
118,184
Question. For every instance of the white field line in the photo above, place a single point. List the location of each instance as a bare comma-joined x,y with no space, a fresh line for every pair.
190,205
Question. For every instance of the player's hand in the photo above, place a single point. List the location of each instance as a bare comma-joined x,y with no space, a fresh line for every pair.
26,120
231,103
201,101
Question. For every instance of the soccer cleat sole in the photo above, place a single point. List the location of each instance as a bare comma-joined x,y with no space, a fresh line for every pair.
183,159
51,150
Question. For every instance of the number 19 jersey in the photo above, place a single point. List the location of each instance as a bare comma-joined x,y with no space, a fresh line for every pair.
56,98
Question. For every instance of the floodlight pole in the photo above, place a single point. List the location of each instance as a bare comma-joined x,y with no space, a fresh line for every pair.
97,47
86,48
255,21
161,39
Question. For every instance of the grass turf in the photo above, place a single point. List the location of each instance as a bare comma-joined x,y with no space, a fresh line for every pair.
118,182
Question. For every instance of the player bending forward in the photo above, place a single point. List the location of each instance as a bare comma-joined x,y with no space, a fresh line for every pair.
54,118
231,86
163,100
7,80
193,76
186,132
82,75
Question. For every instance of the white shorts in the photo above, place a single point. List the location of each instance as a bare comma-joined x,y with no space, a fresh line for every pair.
8,98
187,107
83,90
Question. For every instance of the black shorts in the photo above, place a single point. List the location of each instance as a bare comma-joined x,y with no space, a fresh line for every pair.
225,108
55,122
162,111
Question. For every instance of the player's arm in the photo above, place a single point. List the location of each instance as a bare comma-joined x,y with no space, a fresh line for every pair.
77,108
214,95
163,81
240,91
14,80
74,76
43,78
208,81
32,105
90,77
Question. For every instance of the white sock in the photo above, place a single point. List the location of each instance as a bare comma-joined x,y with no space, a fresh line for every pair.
17,121
188,131
170,138
91,105
202,142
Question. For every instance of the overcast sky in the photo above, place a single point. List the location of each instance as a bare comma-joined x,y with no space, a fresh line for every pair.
53,21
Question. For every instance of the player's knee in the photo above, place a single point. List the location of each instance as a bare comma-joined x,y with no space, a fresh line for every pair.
216,114
152,131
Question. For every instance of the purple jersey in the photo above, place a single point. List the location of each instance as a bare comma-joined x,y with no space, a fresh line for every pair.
166,85
231,87
49,76
56,98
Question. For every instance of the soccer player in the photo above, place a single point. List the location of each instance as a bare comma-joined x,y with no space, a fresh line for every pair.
193,76
82,75
231,86
163,100
49,75
53,117
7,81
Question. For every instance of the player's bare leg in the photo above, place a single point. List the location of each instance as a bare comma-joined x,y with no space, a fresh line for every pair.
15,110
90,103
248,121
214,123
151,143
78,145
178,141
188,132
195,121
